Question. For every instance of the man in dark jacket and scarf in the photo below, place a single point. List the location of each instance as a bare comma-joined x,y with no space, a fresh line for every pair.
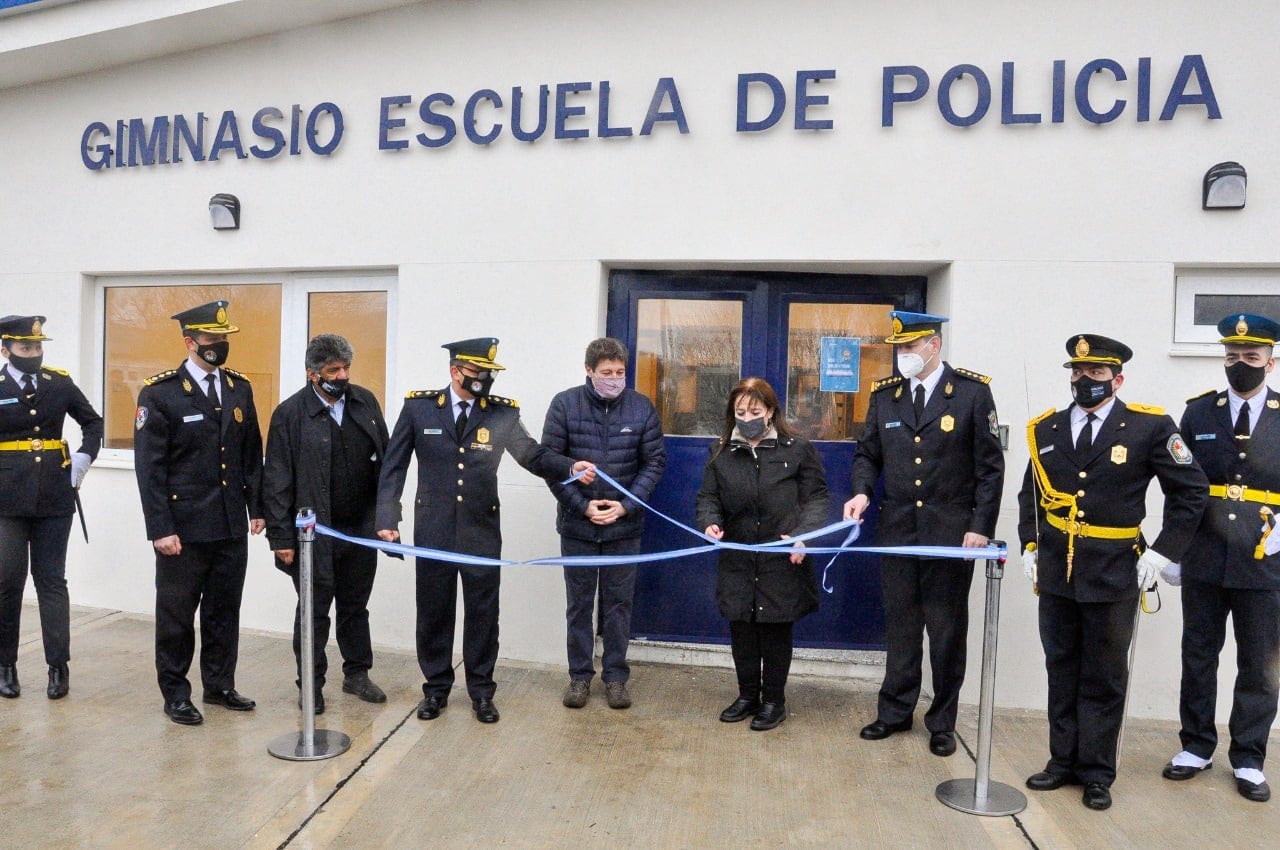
324,451
618,430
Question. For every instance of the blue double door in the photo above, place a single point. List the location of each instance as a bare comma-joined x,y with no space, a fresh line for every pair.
819,341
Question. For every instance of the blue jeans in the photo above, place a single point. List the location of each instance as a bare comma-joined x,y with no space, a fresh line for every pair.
616,585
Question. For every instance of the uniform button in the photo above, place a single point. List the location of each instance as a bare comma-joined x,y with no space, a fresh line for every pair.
1079,513
917,482
37,458
917,438
1084,474
174,497
459,497
33,413
224,466
460,466
1231,516
459,482
1079,492
919,504
37,430
224,484
461,450
917,460
1243,455
1238,476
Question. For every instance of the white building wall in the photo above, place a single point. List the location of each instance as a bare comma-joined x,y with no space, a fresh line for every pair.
1031,232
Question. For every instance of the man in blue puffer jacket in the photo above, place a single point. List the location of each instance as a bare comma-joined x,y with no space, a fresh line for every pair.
618,430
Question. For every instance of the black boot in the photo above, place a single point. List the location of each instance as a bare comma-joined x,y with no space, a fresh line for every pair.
59,683
9,687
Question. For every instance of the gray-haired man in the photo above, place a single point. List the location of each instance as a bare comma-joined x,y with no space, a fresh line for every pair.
324,451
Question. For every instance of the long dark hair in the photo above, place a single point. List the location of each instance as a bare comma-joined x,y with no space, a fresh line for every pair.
759,390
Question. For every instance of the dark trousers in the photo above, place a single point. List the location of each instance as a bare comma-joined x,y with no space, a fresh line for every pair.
616,586
209,577
343,580
1086,654
1255,616
924,595
762,658
437,592
42,543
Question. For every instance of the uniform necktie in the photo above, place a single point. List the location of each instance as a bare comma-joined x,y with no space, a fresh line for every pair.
212,381
1085,442
28,386
919,401
460,426
1242,422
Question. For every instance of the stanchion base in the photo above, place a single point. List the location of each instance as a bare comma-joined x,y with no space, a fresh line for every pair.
1001,799
325,745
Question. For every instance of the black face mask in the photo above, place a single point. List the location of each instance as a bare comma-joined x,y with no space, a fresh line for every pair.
752,429
479,385
1090,393
215,354
29,365
1242,377
335,388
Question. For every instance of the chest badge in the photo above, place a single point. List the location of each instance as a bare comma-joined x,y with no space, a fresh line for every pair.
1119,454
186,386
482,435
238,414
947,423
1273,404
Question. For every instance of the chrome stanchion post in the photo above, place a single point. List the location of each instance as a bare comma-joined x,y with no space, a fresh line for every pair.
981,796
311,744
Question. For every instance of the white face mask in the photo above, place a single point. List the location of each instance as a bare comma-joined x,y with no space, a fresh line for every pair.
911,364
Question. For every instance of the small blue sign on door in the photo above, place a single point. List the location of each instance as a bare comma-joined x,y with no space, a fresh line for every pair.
840,359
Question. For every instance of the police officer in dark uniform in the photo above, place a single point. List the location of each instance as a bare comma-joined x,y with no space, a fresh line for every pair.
198,458
932,430
1233,564
459,434
1082,501
38,479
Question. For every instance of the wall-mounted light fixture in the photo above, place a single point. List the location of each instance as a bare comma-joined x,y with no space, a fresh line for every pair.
1224,187
224,212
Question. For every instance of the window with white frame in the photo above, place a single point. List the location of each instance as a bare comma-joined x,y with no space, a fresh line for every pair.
1204,296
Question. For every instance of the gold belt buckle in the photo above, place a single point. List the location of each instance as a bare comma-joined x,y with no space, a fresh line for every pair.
37,445
1075,527
1235,492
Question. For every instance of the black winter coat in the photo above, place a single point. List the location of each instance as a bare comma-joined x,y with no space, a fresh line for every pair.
623,437
756,496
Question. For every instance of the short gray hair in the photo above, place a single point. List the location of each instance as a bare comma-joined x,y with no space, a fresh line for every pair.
328,348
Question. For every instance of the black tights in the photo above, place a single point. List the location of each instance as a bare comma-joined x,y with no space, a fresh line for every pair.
761,648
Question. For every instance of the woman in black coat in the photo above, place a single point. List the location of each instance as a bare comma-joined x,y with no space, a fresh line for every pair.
761,484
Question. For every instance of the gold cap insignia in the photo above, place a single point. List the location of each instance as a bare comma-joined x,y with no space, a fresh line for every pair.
238,414
1242,327
493,351
36,328
897,325
222,315
482,435
1082,347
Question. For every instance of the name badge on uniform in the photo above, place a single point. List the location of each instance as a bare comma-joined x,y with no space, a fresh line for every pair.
195,417
1044,450
948,423
1206,436
8,401
1119,454
893,425
431,432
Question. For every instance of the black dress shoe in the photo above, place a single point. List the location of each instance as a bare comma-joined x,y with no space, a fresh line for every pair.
318,702
740,709
769,716
9,687
1258,792
486,711
1181,772
1097,796
182,711
430,707
360,685
1046,781
59,677
879,730
942,743
231,699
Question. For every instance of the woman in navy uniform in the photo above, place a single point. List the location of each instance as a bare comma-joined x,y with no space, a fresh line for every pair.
38,479
1233,564
459,435
198,459
1082,501
932,431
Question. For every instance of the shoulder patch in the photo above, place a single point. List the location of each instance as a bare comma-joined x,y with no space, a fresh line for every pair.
1145,408
239,375
973,376
422,394
163,376
1204,394
54,369
509,402
883,383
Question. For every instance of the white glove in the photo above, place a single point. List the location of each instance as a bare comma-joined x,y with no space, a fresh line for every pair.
1271,545
1029,565
1149,566
79,468
1172,575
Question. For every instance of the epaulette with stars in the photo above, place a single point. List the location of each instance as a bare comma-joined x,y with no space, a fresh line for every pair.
1204,394
885,383
163,376
497,399
1145,408
239,375
425,394
973,376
